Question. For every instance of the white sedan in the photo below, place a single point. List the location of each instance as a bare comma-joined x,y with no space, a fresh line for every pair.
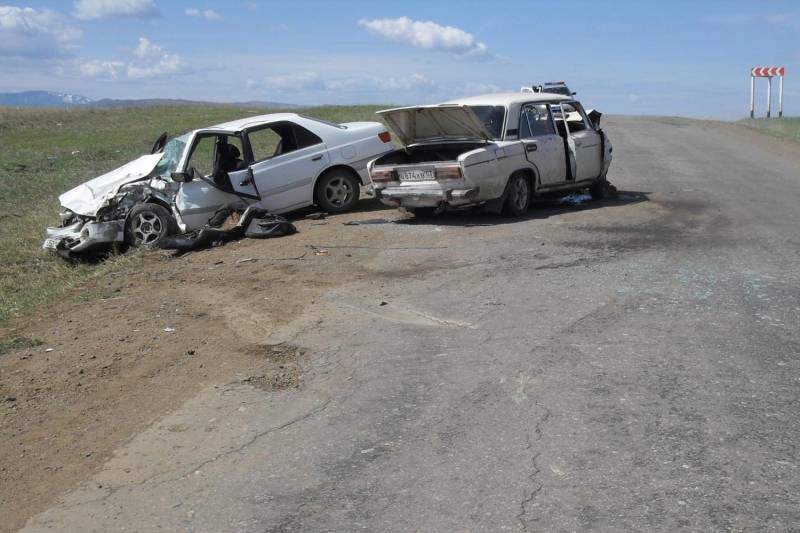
497,150
281,162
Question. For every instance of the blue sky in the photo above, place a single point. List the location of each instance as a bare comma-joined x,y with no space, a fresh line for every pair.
670,58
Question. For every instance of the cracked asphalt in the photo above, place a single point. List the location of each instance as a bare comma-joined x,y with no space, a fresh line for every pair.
618,366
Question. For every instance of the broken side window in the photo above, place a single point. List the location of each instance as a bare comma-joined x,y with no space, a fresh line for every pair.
215,155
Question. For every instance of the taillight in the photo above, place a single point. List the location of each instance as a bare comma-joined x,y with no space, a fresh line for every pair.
448,173
385,136
382,175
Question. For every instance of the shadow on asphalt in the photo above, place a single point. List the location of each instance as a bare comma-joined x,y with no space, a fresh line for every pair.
540,208
365,205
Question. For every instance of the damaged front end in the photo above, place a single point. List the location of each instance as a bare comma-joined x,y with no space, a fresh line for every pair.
80,235
93,215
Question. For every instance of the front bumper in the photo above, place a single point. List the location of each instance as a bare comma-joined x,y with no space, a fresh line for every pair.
81,237
426,197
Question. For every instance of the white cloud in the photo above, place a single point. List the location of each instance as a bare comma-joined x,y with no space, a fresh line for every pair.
208,14
249,4
102,69
426,35
312,82
149,61
98,9
28,32
153,62
380,83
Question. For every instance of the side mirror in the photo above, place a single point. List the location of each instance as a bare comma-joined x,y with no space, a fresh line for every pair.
183,177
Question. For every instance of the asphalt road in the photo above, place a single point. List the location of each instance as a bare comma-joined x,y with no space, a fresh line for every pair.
626,365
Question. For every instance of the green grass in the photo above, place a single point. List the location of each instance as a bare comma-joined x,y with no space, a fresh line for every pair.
784,128
37,164
9,344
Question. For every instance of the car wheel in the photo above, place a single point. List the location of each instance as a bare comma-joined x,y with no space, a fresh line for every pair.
147,224
518,198
598,189
337,191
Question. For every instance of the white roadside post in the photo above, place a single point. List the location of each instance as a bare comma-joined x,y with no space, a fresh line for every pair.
752,95
780,99
769,95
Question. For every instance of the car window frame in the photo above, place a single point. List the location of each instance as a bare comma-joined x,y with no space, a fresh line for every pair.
249,148
522,113
200,135
589,125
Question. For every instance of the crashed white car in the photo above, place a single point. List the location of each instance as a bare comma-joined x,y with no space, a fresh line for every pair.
498,150
281,162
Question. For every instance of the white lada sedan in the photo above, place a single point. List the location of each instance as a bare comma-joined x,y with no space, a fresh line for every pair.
281,162
498,149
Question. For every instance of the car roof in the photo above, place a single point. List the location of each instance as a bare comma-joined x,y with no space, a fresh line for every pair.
243,123
509,98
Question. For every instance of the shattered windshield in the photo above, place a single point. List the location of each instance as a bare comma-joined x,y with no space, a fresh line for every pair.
492,117
172,155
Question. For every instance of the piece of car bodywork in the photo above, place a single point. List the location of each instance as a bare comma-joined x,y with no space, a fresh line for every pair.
279,162
499,150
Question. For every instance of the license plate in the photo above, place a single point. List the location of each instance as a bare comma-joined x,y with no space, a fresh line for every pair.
50,244
417,174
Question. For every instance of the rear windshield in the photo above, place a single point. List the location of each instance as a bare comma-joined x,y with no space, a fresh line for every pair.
492,117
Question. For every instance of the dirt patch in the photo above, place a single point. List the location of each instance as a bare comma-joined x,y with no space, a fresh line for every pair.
119,353
282,366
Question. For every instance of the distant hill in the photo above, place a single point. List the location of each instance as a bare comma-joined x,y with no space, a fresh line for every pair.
43,99
55,99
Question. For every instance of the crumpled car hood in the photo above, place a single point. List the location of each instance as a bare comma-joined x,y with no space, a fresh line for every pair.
87,198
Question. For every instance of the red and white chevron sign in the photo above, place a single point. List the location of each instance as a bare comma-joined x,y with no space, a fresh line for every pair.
765,72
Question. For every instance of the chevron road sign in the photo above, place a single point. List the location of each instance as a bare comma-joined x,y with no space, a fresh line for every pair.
766,72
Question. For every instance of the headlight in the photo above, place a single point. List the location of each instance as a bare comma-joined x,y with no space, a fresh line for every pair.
67,216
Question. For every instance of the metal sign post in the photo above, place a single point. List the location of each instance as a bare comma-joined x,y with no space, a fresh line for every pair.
766,72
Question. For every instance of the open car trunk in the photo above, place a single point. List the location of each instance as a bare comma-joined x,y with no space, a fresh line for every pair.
426,124
427,153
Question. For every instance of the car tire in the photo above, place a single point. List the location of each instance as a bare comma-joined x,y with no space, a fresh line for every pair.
422,213
147,224
518,195
337,191
599,189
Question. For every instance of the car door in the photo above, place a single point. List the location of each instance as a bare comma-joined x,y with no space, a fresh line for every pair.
286,160
588,147
570,153
544,148
198,199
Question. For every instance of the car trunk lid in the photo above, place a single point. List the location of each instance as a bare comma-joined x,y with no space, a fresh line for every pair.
419,124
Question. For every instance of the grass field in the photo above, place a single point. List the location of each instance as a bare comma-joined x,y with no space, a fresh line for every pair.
784,128
46,152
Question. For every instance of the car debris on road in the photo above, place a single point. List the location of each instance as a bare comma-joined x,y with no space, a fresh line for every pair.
278,162
254,223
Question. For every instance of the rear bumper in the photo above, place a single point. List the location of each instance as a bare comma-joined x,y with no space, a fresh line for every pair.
426,197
